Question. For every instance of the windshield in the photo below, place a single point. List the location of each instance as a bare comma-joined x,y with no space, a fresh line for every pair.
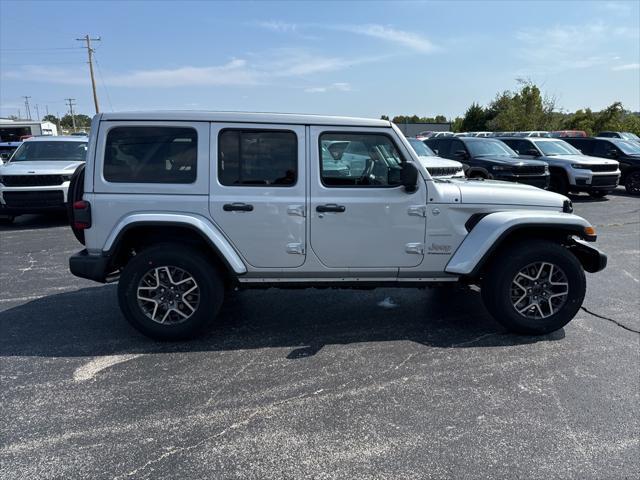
630,148
420,148
490,147
557,147
56,151
629,136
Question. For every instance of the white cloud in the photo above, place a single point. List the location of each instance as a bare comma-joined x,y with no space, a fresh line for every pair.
336,87
278,26
265,68
411,40
567,47
628,66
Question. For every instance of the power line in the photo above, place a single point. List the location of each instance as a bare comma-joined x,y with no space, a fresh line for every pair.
73,119
87,39
37,49
26,106
104,85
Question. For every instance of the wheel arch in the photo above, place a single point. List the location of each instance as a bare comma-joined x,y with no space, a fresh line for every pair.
142,230
495,231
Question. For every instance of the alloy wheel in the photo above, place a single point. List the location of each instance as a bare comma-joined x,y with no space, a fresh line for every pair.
539,290
168,295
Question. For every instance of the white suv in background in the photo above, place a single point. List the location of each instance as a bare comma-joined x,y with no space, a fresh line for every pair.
571,171
184,207
36,178
438,167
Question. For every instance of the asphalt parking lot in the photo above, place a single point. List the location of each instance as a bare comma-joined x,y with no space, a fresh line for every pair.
317,384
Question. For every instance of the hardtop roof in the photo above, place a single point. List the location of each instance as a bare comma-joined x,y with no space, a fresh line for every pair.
245,117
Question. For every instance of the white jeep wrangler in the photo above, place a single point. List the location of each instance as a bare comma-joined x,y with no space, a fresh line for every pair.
183,207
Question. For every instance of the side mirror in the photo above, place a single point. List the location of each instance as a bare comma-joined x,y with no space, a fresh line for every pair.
613,153
409,177
461,154
533,152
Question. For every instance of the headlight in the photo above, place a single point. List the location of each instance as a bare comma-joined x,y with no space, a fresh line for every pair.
501,167
66,178
546,169
580,166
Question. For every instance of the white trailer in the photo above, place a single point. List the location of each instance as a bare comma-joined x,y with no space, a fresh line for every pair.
17,130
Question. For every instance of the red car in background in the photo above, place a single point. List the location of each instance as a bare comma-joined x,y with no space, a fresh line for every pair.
568,133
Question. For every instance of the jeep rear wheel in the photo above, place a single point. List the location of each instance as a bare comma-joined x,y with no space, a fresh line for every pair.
537,287
169,294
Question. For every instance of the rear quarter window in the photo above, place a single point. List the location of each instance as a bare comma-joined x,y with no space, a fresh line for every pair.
151,155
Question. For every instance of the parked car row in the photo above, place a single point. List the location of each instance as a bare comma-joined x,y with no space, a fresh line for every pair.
569,165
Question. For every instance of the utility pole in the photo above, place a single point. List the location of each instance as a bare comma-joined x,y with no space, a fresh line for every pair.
73,119
26,107
90,51
37,112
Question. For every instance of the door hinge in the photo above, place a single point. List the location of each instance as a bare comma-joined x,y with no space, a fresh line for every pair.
297,210
295,248
417,248
417,210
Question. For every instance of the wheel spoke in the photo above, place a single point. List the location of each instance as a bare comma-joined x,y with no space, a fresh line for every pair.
543,286
161,297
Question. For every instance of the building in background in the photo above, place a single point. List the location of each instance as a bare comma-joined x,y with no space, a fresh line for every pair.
413,129
18,130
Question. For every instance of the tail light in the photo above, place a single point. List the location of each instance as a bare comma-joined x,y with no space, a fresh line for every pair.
81,215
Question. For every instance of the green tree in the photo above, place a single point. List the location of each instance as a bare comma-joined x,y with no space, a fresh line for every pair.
474,119
51,118
384,117
82,121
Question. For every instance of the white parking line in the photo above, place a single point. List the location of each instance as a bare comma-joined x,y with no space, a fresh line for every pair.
89,370
631,276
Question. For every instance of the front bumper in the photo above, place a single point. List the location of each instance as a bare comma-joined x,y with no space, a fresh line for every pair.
584,180
93,267
36,199
540,181
592,259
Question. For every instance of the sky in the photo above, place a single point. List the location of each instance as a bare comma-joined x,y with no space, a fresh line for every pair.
344,58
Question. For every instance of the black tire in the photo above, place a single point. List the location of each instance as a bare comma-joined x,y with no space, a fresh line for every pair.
74,193
208,279
599,193
558,183
632,182
497,287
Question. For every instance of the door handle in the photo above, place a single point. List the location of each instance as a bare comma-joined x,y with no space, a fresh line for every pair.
237,207
330,207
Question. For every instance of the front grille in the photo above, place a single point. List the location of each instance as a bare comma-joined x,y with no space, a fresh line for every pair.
34,199
540,182
529,170
443,171
605,180
603,168
31,180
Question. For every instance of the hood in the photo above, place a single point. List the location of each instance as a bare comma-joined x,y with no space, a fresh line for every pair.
509,160
587,160
438,162
40,167
507,193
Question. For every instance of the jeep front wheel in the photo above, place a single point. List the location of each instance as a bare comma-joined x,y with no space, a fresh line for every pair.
537,287
168,293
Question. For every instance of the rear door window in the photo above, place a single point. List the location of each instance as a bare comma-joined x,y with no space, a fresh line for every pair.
257,158
151,155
